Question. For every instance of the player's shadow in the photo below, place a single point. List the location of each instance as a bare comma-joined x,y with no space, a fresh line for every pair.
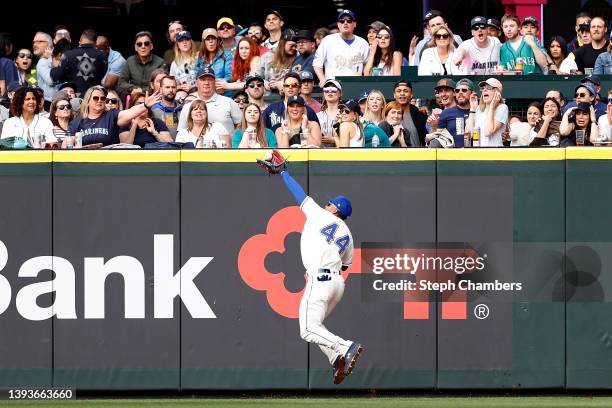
290,263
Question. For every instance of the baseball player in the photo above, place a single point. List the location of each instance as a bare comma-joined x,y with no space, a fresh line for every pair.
327,248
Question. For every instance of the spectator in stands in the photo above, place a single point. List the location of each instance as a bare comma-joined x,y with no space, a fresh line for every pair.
588,53
556,52
276,112
26,121
392,125
413,120
530,26
182,67
568,66
306,89
433,19
245,62
113,101
276,64
329,114
343,53
438,58
372,32
116,62
254,87
257,34
23,61
480,54
174,27
211,53
444,91
219,108
524,133
319,35
600,107
305,48
494,28
273,22
137,71
200,130
579,117
583,23
61,32
167,110
227,34
297,126
252,133
144,128
490,115
85,65
60,115
556,95
458,114
605,121
383,59
101,126
547,127
374,107
587,92
155,80
241,98
8,70
525,47
603,63
42,47
349,130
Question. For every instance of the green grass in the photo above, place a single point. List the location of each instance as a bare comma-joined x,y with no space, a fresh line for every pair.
349,402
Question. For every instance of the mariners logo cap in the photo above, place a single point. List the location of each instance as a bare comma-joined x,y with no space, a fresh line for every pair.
530,20
343,205
477,21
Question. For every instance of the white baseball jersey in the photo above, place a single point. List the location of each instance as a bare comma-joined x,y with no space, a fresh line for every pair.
326,240
480,61
337,58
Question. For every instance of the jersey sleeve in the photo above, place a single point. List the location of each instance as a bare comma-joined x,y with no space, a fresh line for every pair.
310,207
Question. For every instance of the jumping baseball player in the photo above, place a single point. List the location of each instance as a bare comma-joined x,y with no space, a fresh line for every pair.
327,248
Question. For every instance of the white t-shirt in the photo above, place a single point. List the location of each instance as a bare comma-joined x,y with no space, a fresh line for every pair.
213,134
357,140
16,127
337,58
326,241
501,115
604,128
480,61
220,108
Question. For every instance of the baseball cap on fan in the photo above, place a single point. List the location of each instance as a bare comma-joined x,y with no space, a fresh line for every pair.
530,20
333,82
346,13
495,83
478,20
431,14
343,205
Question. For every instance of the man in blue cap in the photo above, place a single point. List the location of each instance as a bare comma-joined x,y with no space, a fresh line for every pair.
327,249
587,92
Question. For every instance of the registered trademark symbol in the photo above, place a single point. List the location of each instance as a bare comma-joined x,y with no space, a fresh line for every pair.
484,256
481,311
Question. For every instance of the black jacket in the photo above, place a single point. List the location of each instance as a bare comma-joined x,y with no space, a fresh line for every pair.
419,119
84,65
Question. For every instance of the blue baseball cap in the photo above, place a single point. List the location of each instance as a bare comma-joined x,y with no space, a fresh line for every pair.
589,86
183,34
345,12
343,205
204,70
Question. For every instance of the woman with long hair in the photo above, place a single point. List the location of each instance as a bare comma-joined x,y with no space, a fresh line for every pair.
375,104
383,59
113,101
212,53
547,127
297,130
275,65
26,121
349,132
489,114
328,116
23,61
556,52
438,58
524,133
245,62
605,121
183,65
60,115
252,133
145,128
101,126
8,70
201,132
580,117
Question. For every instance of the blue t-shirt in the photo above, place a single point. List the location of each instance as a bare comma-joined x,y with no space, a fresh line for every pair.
103,129
143,136
447,121
274,114
270,138
8,71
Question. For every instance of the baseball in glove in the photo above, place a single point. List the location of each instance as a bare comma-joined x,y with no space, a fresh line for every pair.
273,163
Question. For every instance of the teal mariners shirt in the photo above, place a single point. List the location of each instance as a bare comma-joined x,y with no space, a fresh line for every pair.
508,57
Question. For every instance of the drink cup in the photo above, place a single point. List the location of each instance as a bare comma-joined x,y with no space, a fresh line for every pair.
303,138
459,126
580,137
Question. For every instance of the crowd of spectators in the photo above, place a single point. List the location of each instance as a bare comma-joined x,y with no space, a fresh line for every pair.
258,86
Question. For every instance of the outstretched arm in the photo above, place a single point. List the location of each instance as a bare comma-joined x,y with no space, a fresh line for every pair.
294,187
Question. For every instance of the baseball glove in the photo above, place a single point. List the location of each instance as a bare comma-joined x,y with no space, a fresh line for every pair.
273,163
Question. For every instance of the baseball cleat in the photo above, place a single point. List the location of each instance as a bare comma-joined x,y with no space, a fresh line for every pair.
351,356
339,370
